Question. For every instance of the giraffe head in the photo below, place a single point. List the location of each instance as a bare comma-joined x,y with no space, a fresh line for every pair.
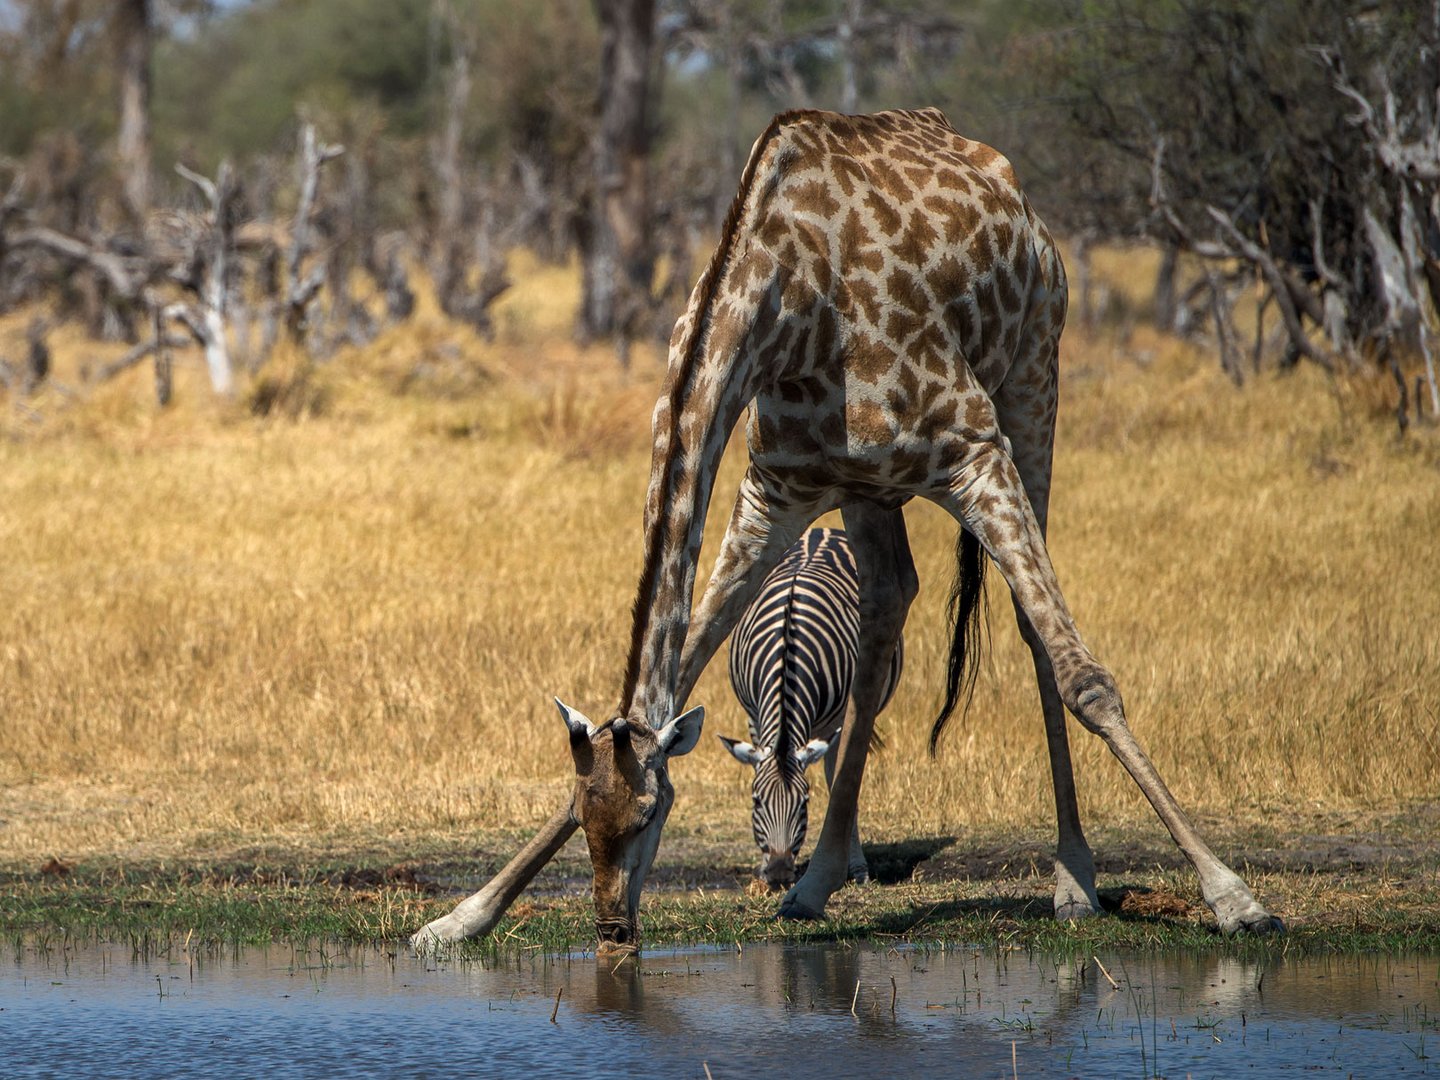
622,797
780,801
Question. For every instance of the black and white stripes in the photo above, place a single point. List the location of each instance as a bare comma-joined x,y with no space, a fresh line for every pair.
792,661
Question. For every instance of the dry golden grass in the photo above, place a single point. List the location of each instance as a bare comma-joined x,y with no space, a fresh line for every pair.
221,632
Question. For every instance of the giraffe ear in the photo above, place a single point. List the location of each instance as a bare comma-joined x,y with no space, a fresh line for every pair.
579,726
811,752
681,734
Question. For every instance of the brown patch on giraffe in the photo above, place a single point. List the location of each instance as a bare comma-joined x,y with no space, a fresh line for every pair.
958,317
938,420
1005,289
772,229
859,301
1004,238
857,250
887,218
900,325
958,219
870,359
948,277
909,467
826,333
867,422
982,155
908,153
906,289
919,239
813,197
813,239
748,272
982,251
887,179
979,414
952,180
849,174
909,382
993,200
795,293
920,175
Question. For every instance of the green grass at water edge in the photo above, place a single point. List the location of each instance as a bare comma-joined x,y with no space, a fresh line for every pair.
356,900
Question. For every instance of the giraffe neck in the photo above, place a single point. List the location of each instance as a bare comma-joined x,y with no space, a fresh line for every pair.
679,495
709,385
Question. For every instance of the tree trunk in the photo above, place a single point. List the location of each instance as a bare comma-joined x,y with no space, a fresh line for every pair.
849,86
1166,302
133,35
616,246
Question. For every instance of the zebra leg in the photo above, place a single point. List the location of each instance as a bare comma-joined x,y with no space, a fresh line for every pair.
887,586
756,539
858,869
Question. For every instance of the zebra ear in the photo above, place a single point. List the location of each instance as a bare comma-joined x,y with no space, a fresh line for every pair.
744,752
811,752
680,735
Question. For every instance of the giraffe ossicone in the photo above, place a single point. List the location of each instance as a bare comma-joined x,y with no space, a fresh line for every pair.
887,305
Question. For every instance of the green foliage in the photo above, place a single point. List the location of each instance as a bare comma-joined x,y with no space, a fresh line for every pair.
235,87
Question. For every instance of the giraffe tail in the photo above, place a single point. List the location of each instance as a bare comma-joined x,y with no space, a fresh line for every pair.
967,628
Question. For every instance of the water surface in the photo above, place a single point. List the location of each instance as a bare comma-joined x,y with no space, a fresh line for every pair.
803,1011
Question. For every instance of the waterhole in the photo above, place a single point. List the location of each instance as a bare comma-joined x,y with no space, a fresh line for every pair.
768,1010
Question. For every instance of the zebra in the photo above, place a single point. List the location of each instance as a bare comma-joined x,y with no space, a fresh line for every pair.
792,659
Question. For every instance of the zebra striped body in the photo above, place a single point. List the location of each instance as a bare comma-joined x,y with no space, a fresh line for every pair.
792,661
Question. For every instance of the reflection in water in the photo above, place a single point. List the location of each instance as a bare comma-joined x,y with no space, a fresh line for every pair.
806,1011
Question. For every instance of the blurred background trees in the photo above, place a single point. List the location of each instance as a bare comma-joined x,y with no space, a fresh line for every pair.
1282,150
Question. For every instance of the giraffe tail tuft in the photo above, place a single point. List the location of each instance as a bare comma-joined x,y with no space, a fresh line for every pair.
968,622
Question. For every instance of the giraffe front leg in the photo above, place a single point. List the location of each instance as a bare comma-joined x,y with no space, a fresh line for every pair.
755,540
857,869
887,586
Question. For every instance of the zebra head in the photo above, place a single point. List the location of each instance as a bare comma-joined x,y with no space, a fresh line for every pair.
780,802
622,797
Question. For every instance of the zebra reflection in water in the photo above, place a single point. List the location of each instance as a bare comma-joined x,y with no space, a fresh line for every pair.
792,660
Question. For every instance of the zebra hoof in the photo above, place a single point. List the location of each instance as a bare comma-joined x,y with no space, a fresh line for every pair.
858,875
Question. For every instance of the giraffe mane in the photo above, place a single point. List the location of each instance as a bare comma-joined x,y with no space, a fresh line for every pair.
679,388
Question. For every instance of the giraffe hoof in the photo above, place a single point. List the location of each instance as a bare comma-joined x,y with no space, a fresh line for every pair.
793,908
1261,924
1073,909
1243,915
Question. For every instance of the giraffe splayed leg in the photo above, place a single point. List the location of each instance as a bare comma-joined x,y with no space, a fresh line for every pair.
888,306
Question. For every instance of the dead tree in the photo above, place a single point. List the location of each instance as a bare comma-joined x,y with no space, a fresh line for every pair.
37,359
134,34
617,261
299,292
211,285
1405,248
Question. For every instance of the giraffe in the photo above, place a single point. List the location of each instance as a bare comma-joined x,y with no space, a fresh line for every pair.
887,305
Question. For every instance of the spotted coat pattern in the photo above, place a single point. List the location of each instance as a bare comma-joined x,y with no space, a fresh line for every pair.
888,306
